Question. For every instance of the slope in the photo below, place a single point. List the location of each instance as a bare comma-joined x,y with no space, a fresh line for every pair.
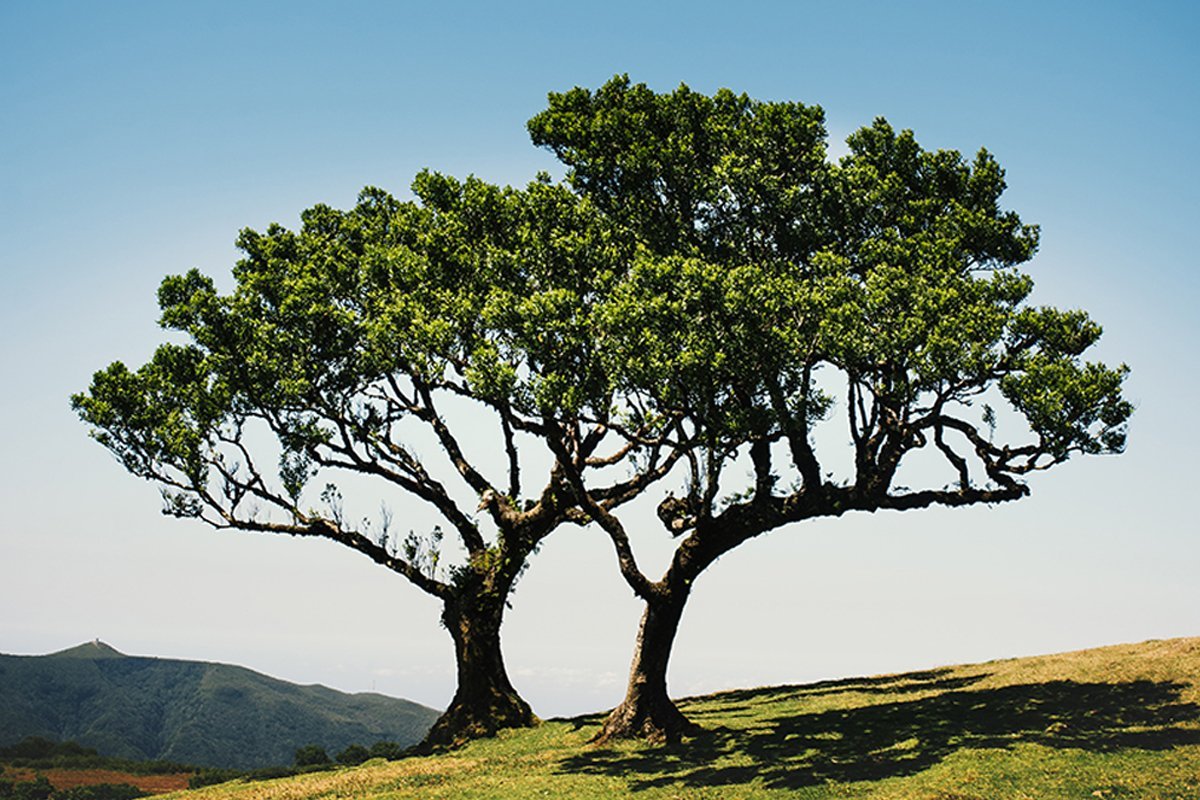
1115,722
188,711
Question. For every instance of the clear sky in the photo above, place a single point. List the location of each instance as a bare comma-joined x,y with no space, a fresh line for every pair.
137,138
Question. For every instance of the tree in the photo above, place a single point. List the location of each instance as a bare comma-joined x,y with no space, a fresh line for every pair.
342,345
353,755
310,755
775,292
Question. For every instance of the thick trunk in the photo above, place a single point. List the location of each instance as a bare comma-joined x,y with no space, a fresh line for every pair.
485,701
647,711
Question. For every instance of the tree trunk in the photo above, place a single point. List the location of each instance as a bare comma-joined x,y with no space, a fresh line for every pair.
647,711
485,700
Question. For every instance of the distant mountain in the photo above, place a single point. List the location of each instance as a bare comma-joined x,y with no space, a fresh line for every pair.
189,711
93,649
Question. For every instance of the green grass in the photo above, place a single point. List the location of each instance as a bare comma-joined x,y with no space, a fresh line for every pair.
1117,722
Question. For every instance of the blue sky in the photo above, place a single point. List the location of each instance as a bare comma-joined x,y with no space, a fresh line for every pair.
136,139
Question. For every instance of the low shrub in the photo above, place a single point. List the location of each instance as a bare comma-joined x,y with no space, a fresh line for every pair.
353,755
392,751
311,755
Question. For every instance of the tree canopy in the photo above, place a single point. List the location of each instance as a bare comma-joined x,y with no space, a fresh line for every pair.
777,291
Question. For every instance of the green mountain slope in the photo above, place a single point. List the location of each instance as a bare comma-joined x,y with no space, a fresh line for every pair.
188,711
1115,723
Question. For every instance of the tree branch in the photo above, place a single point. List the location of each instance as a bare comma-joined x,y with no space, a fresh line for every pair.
450,445
322,528
796,431
960,463
626,560
514,462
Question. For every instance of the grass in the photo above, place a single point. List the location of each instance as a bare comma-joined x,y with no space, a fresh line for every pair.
1116,722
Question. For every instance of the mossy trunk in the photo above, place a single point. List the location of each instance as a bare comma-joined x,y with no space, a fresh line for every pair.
485,701
647,711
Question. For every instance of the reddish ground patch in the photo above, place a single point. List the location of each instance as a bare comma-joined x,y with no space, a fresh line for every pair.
70,778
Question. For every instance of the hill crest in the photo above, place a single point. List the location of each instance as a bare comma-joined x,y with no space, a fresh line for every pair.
92,649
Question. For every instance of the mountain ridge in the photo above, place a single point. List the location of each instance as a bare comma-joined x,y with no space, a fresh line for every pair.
195,712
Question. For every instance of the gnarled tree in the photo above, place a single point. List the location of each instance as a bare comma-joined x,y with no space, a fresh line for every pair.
775,292
344,342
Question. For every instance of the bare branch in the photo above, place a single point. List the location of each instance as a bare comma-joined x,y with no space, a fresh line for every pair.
510,447
609,523
321,528
960,497
422,486
610,460
796,431
760,455
620,493
960,463
429,414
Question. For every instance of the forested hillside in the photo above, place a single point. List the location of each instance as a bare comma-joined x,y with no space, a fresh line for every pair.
188,711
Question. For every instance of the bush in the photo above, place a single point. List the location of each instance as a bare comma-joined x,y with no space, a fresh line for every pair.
271,773
29,747
37,748
311,755
389,750
353,755
210,776
39,789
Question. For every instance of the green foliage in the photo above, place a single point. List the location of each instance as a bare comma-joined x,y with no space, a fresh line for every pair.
389,750
37,789
39,753
162,414
310,755
1067,403
725,177
210,776
38,748
353,755
40,788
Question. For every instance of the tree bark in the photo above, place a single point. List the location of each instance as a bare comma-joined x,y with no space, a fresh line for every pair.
647,712
485,701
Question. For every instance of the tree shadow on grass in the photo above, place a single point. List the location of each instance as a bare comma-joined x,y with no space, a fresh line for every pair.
893,739
907,683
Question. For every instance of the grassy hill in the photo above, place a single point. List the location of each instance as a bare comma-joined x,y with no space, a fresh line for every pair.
188,711
1116,722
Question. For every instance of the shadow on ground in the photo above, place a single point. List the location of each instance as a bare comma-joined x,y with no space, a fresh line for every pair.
903,737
